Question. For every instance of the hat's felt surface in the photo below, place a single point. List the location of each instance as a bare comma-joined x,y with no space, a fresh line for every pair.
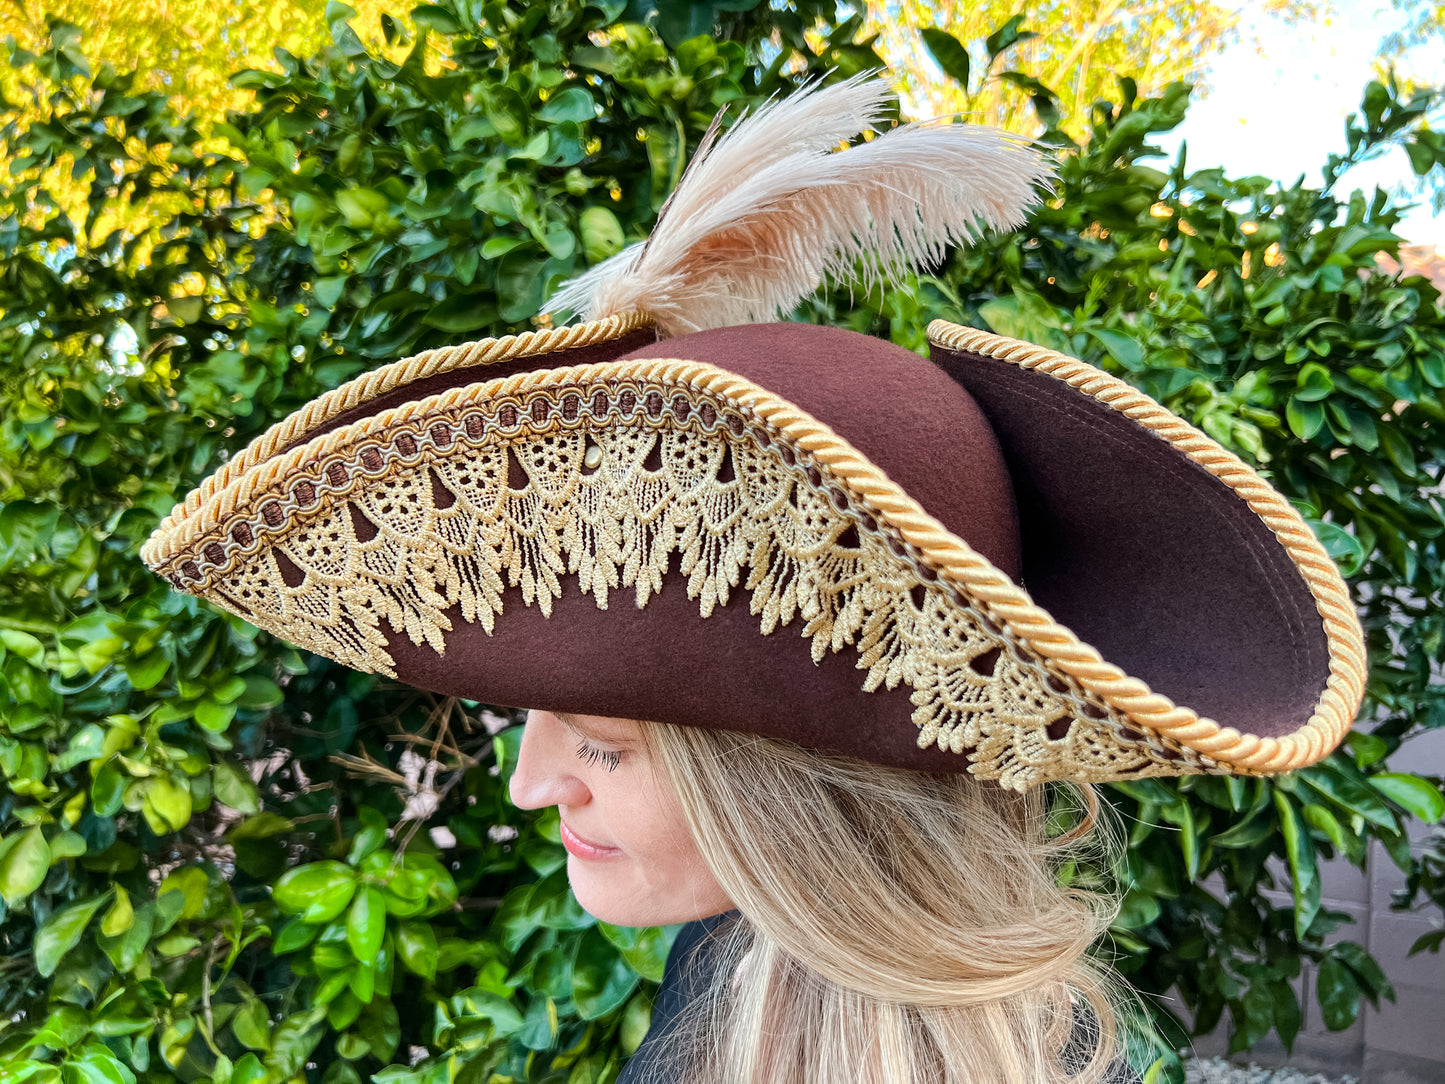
1148,557
1058,480
665,662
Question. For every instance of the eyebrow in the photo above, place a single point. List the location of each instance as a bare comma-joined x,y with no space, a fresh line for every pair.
572,723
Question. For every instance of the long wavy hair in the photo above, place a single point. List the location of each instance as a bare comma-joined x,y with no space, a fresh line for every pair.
896,927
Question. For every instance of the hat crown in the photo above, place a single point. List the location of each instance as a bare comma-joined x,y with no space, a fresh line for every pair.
908,416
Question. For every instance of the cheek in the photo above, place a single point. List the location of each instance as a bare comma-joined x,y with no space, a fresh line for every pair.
668,858
662,879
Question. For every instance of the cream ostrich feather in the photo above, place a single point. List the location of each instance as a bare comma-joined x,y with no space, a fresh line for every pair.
765,213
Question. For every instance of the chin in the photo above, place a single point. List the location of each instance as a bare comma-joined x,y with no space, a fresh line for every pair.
616,905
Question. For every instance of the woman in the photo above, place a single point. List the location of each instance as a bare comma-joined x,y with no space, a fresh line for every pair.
866,603
887,923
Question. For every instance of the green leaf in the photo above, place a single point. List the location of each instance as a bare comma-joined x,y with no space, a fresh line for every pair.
318,892
191,884
949,52
24,862
107,789
1343,783
97,1065
1339,994
259,692
360,206
1314,383
519,285
416,947
293,1041
602,234
1007,35
296,934
381,1028
337,12
61,932
1305,418
1373,983
252,1025
479,1004
1247,833
328,291
435,17
1304,871
144,673
166,804
1419,796
370,836
65,845
23,644
249,1070
1122,348
215,716
234,787
508,115
464,312
601,978
573,104
644,948
263,825
366,924
1344,548
121,915
1322,820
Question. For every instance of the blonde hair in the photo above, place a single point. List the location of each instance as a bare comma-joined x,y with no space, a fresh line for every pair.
897,927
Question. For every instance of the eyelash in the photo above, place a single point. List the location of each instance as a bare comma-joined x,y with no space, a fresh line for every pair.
592,754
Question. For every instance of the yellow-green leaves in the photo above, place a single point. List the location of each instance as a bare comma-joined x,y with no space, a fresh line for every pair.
166,804
24,861
602,234
366,924
318,891
121,915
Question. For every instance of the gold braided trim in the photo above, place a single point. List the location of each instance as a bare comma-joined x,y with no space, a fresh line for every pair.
1345,687
405,514
417,367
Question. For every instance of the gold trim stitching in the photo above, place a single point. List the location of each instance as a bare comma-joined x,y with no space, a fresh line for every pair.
369,385
1340,700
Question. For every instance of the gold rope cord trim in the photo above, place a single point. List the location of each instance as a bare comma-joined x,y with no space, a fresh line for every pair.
417,367
405,514
1336,708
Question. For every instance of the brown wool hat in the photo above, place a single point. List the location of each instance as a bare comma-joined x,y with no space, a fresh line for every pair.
1001,560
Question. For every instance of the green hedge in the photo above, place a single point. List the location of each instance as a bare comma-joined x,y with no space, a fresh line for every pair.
374,908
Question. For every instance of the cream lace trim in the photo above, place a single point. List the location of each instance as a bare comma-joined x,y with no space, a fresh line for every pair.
403,516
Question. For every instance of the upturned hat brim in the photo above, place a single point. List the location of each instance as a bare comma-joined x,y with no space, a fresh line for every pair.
799,532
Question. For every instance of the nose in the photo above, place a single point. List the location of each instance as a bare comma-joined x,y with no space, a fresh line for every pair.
544,773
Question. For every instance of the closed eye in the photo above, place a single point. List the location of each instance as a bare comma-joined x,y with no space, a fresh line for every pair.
595,754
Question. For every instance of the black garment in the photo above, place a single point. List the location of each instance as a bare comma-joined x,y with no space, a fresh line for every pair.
689,974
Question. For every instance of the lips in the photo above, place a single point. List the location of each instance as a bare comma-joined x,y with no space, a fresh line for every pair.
581,848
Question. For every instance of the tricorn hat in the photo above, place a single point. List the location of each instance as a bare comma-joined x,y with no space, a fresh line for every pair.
999,559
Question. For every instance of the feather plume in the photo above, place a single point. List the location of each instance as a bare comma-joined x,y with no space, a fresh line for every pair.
765,213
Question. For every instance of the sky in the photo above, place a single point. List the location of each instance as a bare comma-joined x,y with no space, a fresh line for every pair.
1279,98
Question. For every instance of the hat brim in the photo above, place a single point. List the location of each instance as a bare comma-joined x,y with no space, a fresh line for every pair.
422,522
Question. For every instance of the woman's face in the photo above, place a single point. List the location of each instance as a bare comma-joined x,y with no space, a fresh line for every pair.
630,857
